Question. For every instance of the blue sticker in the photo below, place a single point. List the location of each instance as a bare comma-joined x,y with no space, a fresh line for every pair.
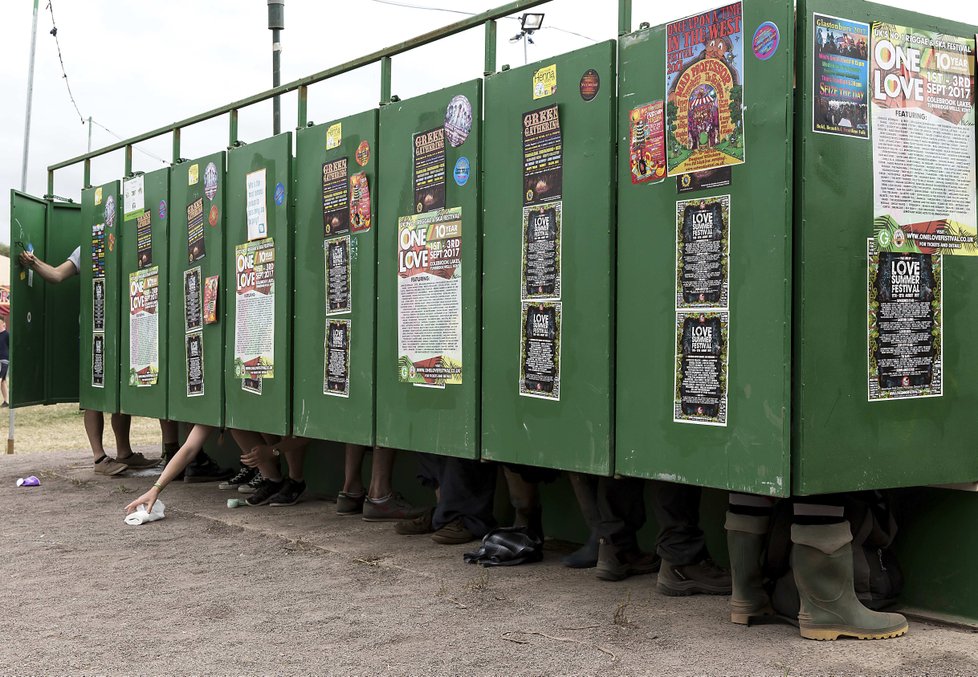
767,37
162,209
279,193
462,171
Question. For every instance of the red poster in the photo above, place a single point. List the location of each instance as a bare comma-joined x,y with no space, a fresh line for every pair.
648,143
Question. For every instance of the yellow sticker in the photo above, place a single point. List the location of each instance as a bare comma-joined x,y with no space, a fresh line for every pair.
193,175
98,195
334,136
545,81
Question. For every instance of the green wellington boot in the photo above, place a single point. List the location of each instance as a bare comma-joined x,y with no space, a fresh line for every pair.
822,563
745,543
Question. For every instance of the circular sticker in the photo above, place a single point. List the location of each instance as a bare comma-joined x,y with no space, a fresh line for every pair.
590,84
363,153
212,215
109,212
162,209
462,171
279,193
767,37
458,120
210,180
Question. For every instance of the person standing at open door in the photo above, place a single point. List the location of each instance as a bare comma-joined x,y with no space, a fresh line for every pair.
125,459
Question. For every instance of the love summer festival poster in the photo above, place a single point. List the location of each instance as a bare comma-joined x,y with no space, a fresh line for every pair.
705,91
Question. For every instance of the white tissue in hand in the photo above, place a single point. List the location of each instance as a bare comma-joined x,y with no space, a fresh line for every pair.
140,516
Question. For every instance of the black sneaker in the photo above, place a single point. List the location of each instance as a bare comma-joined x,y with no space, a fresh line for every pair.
252,485
289,493
266,490
244,476
208,471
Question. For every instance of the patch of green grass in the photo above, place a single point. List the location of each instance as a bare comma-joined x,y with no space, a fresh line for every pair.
61,427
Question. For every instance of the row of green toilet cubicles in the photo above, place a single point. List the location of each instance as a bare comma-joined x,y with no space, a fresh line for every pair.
492,270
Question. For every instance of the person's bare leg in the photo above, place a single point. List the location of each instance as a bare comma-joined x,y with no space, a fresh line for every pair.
94,426
3,389
121,423
381,472
169,430
353,469
295,457
248,440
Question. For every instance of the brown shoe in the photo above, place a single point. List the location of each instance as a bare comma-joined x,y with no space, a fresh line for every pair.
617,564
417,526
109,466
453,533
137,461
700,578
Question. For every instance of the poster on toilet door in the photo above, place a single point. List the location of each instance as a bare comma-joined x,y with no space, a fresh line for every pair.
705,91
905,324
923,128
254,311
144,327
429,298
701,376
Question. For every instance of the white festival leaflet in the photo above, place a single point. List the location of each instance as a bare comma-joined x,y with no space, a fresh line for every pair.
144,327
257,214
254,310
923,130
429,298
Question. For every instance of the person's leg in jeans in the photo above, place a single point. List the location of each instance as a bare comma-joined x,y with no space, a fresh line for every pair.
621,508
586,490
464,510
821,559
686,565
430,469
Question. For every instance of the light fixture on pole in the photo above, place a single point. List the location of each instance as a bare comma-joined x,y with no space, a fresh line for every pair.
530,22
276,24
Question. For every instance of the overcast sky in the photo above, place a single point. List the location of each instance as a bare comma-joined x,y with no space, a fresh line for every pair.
135,65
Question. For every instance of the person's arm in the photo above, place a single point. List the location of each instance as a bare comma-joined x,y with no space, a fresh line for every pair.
195,442
263,452
48,272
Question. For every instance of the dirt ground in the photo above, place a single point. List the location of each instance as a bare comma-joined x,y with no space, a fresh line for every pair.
301,590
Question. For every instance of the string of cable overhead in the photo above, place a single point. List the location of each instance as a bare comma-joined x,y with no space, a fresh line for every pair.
71,96
458,11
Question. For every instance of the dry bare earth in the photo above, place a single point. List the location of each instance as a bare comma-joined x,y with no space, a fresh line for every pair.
301,590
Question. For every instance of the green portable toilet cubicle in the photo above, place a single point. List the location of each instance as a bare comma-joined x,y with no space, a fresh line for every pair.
704,259
44,318
335,299
428,273
548,262
61,303
101,287
196,326
144,300
28,232
258,289
855,425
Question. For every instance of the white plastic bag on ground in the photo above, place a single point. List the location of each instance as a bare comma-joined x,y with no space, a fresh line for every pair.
140,516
